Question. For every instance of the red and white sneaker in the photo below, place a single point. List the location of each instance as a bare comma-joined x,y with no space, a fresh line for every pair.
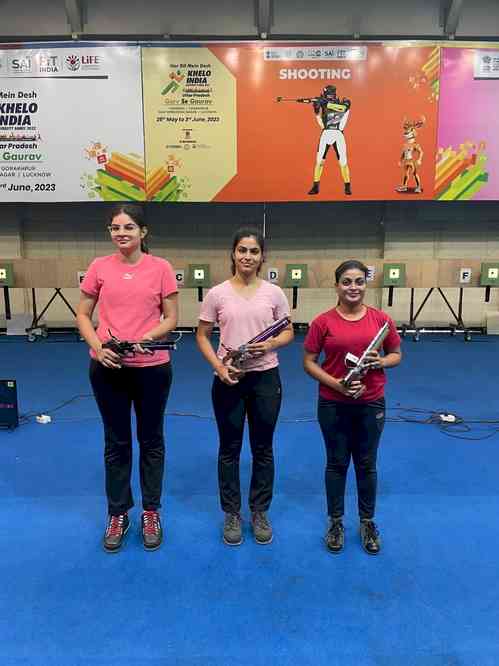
114,535
152,532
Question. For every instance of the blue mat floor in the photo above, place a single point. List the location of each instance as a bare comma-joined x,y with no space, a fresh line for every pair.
429,599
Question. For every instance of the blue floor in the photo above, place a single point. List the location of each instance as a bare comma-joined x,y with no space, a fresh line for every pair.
431,598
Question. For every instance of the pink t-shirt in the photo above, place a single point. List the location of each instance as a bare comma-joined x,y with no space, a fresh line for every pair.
130,299
241,319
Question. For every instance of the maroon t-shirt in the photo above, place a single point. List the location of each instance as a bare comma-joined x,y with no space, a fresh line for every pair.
335,336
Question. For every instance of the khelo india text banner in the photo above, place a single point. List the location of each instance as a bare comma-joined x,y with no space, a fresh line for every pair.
71,124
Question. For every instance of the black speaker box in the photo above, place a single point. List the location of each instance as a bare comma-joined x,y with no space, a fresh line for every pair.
9,414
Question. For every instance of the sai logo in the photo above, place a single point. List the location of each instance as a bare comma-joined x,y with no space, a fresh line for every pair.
73,62
20,65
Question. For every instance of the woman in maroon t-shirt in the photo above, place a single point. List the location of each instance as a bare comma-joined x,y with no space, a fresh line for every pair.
351,417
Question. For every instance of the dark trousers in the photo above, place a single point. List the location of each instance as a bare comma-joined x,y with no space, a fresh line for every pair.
115,391
351,431
257,396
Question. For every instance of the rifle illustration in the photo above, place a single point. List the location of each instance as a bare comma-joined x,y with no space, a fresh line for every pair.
237,357
127,347
301,100
359,365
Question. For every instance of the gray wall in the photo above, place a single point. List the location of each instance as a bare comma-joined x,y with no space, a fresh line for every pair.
229,18
295,233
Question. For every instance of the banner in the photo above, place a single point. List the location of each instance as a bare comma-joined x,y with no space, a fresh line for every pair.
314,122
467,164
190,122
71,124
248,122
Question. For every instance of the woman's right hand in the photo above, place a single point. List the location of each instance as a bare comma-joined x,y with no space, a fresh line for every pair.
108,358
354,390
228,374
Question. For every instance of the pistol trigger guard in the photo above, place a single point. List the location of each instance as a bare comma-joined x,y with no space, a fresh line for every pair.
351,360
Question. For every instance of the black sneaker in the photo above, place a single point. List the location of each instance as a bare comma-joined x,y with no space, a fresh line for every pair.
262,529
348,189
233,533
314,189
335,536
152,532
369,537
116,529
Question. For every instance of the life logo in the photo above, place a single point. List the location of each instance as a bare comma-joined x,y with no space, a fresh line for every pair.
21,64
73,62
90,61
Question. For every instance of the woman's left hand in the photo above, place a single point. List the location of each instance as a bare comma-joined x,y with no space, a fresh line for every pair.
261,348
374,361
139,349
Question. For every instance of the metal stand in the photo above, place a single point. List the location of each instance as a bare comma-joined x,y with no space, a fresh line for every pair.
416,331
6,299
37,330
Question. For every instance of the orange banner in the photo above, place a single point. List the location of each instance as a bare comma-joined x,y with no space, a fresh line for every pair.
291,122
375,132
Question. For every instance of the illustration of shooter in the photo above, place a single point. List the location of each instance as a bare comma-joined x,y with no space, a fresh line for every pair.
411,157
331,114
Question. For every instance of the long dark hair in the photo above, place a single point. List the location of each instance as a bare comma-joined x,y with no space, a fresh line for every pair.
134,212
247,232
347,266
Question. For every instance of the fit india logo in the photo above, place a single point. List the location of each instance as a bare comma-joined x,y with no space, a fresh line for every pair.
48,64
73,62
173,85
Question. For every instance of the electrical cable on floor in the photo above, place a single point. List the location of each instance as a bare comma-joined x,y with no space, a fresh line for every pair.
448,423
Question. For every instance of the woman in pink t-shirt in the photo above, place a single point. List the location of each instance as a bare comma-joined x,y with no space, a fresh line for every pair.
137,298
351,417
243,307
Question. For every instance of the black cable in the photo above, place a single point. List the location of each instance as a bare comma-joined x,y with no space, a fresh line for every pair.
414,415
25,418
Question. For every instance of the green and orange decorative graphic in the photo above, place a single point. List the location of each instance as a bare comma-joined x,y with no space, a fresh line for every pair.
123,177
429,75
460,174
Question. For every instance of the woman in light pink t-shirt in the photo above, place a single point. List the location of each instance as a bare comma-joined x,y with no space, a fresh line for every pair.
242,307
137,298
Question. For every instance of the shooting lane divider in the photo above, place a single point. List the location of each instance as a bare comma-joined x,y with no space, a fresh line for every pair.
296,276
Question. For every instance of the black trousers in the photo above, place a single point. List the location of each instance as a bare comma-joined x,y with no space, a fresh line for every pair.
351,431
257,396
115,391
